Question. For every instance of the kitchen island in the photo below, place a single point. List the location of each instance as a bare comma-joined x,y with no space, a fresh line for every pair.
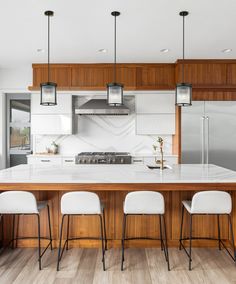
111,183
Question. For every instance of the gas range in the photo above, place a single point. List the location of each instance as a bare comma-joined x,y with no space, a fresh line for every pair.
103,158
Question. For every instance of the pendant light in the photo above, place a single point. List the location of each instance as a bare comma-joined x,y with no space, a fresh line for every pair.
183,93
48,89
115,90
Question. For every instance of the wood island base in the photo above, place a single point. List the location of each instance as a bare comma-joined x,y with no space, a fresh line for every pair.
113,195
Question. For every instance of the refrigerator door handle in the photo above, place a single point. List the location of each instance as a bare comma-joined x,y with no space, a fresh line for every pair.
203,138
208,140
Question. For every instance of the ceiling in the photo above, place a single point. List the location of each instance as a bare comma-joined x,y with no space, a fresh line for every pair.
81,27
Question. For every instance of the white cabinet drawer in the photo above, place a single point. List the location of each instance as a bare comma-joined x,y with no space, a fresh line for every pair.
51,124
155,103
68,161
155,124
137,160
44,160
64,104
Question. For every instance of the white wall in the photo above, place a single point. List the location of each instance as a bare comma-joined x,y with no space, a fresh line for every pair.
12,80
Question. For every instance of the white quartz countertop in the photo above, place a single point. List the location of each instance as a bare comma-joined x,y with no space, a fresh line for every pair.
182,173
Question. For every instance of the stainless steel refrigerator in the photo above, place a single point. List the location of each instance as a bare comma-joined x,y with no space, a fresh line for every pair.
209,133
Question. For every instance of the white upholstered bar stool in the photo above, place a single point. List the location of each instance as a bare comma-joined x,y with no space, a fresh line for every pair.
145,203
81,203
24,203
207,203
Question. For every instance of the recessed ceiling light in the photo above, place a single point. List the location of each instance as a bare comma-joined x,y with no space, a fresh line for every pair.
102,50
164,50
226,50
40,50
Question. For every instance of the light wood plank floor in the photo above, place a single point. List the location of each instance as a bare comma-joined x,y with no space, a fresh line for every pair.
142,266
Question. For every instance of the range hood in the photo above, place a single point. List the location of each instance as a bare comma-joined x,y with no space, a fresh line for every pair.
101,107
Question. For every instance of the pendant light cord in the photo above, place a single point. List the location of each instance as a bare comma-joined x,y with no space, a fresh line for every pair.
183,49
48,48
115,50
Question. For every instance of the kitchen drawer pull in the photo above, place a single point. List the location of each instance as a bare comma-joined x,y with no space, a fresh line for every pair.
69,161
137,160
45,161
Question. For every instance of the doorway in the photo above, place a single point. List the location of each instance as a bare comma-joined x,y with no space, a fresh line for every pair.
18,129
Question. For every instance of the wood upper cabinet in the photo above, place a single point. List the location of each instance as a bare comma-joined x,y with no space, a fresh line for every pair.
91,76
202,73
59,73
98,75
231,74
205,75
156,76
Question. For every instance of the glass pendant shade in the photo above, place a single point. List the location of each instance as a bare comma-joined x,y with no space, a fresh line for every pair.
115,94
183,94
48,94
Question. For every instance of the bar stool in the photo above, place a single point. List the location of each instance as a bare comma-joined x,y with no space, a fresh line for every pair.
24,203
145,203
207,203
81,203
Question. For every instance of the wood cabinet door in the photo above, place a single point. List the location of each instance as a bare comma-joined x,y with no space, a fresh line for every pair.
203,74
91,77
127,77
58,74
97,77
156,77
231,74
213,96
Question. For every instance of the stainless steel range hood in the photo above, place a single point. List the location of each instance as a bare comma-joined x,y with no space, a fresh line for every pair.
100,107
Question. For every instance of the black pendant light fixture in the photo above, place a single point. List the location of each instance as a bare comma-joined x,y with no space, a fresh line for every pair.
115,90
183,93
48,89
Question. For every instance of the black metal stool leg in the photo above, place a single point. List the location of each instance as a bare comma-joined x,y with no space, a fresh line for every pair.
104,226
123,242
181,227
166,245
49,226
13,231
161,232
190,243
232,236
102,240
39,242
67,234
59,249
218,223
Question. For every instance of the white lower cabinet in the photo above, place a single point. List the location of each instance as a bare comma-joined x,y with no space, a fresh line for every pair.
51,124
44,160
68,161
51,160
